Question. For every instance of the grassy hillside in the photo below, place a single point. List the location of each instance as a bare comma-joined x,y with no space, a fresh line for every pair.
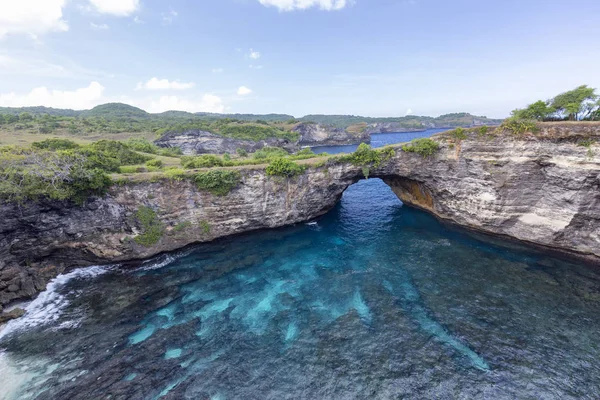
119,121
409,122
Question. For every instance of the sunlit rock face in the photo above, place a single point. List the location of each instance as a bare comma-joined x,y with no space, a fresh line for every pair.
320,135
202,142
542,189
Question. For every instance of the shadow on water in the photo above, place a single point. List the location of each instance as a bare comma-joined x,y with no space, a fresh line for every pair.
373,300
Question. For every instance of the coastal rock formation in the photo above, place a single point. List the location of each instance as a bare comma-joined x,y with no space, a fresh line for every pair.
321,135
543,189
202,142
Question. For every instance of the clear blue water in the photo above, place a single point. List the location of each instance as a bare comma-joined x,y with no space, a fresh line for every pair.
372,301
379,140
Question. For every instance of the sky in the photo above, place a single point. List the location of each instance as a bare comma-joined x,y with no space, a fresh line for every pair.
361,57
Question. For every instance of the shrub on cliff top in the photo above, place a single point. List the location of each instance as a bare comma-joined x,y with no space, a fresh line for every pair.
218,182
284,167
519,126
425,147
30,174
365,156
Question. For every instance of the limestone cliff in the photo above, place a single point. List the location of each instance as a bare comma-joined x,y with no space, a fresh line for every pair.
543,189
322,135
201,142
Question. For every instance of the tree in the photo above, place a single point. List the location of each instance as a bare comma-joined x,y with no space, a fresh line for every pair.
575,102
540,110
25,117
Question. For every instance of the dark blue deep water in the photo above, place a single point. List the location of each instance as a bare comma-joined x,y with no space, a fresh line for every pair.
372,301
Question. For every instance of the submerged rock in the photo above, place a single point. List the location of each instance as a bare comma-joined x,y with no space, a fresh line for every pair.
13,314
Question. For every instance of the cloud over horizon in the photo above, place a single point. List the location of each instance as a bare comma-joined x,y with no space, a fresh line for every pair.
79,99
164,84
291,5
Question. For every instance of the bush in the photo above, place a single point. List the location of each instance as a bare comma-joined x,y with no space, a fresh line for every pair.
284,167
30,174
423,146
171,152
269,152
152,228
218,182
483,130
130,169
226,157
143,145
176,174
458,134
519,126
365,156
241,152
203,161
156,163
55,144
120,151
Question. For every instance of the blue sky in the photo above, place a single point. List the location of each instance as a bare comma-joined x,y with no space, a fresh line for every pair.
367,57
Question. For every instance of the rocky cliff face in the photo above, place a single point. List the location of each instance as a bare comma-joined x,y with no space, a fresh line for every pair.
543,189
201,142
320,135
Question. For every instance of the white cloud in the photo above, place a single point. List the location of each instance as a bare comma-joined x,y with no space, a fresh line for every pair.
208,103
120,8
409,112
243,91
291,5
255,66
255,55
99,27
214,70
137,20
31,17
169,17
82,98
164,84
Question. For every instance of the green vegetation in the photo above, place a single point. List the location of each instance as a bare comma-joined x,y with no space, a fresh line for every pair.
176,174
358,123
365,156
587,143
55,144
262,156
483,130
581,103
152,228
182,226
218,182
205,226
518,127
425,147
284,167
241,152
156,163
458,134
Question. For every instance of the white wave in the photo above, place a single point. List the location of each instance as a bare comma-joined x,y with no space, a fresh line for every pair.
163,260
49,304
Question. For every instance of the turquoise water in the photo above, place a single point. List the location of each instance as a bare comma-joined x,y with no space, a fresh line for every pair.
374,300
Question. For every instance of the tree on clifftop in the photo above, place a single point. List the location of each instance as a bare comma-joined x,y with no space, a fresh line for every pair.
578,103
575,105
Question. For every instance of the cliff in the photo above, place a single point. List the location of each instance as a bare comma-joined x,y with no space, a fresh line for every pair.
201,142
322,135
541,188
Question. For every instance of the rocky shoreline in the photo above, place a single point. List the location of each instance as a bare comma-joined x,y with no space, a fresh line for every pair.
542,189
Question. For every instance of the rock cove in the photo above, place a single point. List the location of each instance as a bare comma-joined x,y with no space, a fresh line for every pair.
541,188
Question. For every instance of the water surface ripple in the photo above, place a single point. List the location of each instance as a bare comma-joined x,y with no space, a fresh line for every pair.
374,300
